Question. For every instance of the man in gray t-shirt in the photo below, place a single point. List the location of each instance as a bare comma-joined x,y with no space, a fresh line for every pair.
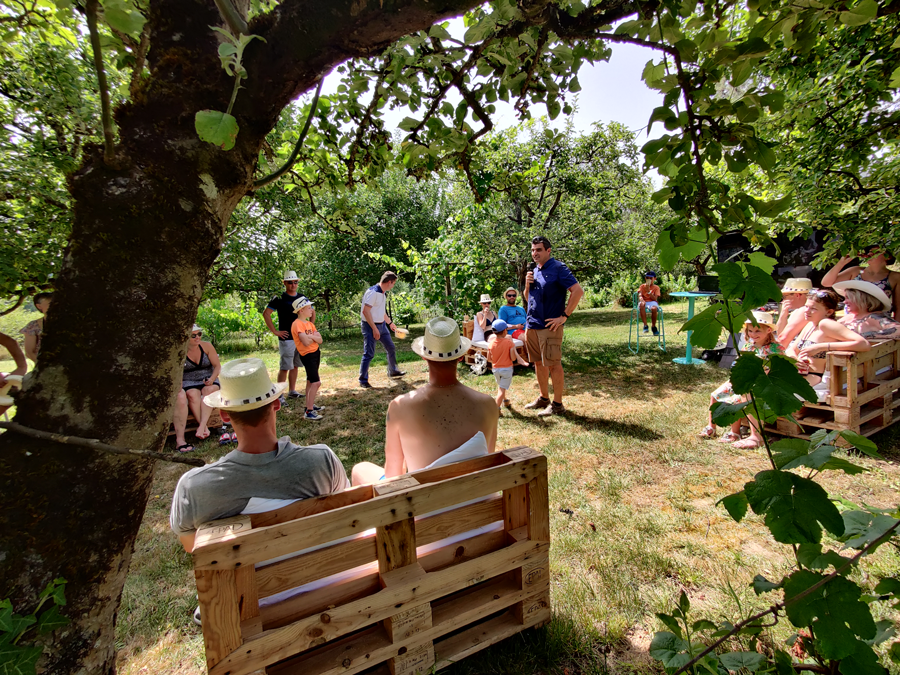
262,466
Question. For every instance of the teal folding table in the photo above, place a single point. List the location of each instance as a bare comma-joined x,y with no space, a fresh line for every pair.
691,296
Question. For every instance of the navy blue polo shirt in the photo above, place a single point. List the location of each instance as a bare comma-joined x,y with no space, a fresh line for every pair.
284,307
547,295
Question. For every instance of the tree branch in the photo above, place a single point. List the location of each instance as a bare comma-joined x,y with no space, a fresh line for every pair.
231,17
94,444
105,116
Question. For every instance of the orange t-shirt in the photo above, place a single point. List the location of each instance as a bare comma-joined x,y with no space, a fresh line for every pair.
649,292
308,327
499,350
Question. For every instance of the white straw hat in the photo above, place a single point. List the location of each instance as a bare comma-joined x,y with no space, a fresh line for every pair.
442,341
290,276
245,386
798,285
300,303
866,287
195,328
485,298
762,318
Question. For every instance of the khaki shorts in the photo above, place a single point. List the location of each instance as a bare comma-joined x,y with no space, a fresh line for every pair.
544,346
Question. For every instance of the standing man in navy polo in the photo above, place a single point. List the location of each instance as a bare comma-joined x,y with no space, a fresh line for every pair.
548,311
283,305
375,324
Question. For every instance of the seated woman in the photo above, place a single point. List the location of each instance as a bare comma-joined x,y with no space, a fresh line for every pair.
201,370
866,310
819,336
875,272
482,329
33,329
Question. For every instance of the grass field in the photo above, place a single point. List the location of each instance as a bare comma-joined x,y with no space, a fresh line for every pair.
633,496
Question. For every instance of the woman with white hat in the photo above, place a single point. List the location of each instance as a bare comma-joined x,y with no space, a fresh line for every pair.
199,379
866,308
875,272
482,329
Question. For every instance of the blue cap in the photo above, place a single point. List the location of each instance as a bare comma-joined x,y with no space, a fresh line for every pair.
499,325
650,273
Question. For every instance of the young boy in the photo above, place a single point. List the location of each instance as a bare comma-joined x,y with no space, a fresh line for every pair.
307,339
503,352
648,293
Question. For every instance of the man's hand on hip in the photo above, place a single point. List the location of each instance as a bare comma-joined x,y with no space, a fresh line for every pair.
553,324
283,334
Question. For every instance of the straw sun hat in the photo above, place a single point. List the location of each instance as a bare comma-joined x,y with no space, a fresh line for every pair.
866,287
300,303
798,285
762,318
245,386
484,298
442,341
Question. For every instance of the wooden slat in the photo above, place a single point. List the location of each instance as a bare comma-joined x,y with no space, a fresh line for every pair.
271,542
539,509
515,507
478,637
280,643
220,614
248,601
218,531
880,388
313,505
395,544
307,567
413,662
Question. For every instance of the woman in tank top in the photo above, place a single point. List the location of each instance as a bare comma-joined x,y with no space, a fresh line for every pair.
875,272
199,378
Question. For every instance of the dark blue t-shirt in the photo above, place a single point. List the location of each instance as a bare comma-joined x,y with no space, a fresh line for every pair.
285,308
547,295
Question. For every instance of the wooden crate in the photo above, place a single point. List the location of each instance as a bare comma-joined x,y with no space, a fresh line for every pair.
468,331
864,394
215,420
405,576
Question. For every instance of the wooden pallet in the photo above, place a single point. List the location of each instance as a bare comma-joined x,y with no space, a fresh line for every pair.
469,358
864,394
402,577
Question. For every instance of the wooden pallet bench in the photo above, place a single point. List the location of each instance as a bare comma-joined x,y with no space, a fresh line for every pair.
469,331
863,396
405,576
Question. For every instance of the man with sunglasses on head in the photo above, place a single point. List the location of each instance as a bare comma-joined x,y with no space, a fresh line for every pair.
514,315
284,306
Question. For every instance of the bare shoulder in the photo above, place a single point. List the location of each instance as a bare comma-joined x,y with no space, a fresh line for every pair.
479,399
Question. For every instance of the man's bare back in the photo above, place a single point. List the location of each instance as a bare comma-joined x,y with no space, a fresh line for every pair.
431,421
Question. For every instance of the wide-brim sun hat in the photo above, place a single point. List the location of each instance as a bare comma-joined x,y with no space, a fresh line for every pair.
195,328
300,303
291,275
866,287
485,298
245,385
442,341
762,318
798,285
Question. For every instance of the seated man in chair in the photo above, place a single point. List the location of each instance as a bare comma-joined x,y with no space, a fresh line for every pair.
262,466
444,420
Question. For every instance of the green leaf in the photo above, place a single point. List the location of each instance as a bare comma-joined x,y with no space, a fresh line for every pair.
861,528
783,663
863,661
889,585
793,507
861,13
781,385
56,591
666,647
747,369
835,611
736,504
762,585
706,328
726,414
217,128
438,31
762,261
885,632
759,287
50,620
703,624
408,123
731,280
895,652
122,19
671,623
786,450
684,603
772,208
751,661
861,443
811,557
18,659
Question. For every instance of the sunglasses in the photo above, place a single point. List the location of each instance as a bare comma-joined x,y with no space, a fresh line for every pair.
292,283
196,335
510,295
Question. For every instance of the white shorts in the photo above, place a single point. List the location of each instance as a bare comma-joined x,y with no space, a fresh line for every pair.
651,304
503,376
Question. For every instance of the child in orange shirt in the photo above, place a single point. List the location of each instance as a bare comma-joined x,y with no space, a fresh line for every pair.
503,352
648,294
307,339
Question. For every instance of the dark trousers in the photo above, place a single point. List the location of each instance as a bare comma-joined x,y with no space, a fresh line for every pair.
369,349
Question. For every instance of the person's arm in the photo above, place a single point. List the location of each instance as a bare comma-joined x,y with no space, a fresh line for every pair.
840,339
267,317
837,273
529,279
300,337
367,315
514,355
214,361
576,292
794,324
187,540
316,337
393,450
655,292
10,344
31,346
481,319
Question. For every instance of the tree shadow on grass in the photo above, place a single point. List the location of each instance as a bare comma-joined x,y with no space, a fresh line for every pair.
607,426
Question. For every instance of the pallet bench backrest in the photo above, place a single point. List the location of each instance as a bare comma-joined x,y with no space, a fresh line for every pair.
458,560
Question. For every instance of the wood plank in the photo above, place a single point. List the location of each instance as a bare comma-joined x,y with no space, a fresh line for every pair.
515,508
395,544
881,388
459,468
265,543
463,644
402,626
218,531
313,505
527,611
220,614
280,643
539,509
413,662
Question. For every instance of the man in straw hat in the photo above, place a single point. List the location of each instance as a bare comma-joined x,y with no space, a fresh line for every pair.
442,420
283,305
792,316
262,466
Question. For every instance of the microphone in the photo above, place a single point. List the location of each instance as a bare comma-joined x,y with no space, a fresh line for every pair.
531,268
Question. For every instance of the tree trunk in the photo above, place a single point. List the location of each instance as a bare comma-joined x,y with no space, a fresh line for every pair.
145,236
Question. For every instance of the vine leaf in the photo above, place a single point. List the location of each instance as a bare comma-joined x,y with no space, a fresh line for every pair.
18,659
725,414
670,649
736,505
751,661
762,585
861,443
834,610
50,620
786,450
861,527
811,557
859,14
217,128
793,507
863,661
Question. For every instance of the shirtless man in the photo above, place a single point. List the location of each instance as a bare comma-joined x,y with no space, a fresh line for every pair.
436,419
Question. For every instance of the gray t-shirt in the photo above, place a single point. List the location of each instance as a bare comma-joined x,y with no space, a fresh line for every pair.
224,488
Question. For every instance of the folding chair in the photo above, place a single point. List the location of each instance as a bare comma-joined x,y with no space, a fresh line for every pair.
636,325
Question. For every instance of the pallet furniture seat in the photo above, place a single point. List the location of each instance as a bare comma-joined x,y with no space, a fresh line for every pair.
481,347
403,577
863,394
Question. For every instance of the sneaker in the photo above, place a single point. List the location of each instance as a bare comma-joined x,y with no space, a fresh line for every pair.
294,394
197,616
655,330
317,408
507,403
282,400
365,385
399,373
312,415
553,409
539,402
646,330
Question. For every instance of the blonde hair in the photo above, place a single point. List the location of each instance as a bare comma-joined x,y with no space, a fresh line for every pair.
863,299
770,338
